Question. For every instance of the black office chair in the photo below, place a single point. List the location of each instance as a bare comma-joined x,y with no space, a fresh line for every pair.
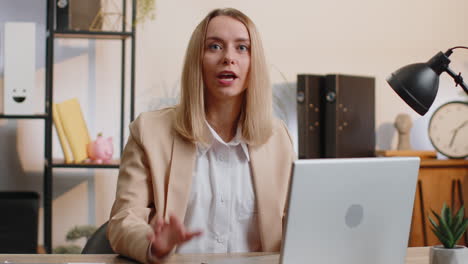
19,222
98,242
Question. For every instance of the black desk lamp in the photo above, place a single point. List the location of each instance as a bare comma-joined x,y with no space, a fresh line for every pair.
417,84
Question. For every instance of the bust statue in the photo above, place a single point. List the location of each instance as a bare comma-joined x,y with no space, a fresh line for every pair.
403,125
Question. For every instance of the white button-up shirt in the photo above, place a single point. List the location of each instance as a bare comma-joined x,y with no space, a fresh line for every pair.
222,199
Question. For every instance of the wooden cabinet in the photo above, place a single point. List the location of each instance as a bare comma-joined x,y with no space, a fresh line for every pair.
439,181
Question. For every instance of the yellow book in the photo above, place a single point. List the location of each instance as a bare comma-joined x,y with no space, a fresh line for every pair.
75,128
61,135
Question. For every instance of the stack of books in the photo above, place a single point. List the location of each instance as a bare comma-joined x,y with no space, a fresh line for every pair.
71,130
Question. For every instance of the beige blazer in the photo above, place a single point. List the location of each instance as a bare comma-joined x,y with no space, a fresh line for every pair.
155,179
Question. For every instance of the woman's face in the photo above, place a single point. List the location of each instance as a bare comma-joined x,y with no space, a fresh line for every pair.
226,59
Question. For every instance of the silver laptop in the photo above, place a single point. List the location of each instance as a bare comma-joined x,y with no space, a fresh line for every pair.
353,211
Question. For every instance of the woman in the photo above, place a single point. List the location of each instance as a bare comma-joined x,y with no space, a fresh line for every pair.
211,174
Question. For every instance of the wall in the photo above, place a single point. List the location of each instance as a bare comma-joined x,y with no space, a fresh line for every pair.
362,37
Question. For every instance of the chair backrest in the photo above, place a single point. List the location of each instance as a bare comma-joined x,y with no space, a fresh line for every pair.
18,222
98,242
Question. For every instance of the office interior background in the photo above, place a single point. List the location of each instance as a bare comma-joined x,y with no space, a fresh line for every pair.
361,37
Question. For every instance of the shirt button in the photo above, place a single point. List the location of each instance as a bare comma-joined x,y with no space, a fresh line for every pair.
222,158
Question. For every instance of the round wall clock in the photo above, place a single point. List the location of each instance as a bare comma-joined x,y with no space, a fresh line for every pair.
448,129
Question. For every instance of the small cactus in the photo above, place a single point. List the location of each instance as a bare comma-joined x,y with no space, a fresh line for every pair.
451,227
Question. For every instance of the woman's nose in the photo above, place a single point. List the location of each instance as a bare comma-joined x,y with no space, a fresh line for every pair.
228,57
227,60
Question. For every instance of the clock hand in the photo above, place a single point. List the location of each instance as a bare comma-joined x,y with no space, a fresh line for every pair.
456,132
453,138
462,125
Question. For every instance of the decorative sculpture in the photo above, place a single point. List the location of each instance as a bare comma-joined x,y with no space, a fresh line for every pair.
403,125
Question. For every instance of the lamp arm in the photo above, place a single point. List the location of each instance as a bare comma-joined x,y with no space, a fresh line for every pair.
449,51
458,79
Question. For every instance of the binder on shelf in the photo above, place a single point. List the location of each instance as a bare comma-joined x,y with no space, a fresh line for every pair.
349,106
61,135
74,128
309,89
335,116
62,15
78,15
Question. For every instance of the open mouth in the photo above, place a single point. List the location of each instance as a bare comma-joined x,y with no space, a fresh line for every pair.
227,76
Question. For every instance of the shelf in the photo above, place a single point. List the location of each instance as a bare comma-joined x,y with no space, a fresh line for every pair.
36,116
93,34
114,164
423,154
434,163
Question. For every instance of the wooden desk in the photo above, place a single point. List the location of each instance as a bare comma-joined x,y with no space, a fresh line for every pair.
439,181
415,256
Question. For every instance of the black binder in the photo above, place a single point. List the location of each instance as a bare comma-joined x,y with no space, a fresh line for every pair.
63,15
78,15
309,116
336,116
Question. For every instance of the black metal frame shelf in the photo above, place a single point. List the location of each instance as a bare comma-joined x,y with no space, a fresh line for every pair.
50,164
113,164
36,116
93,34
52,34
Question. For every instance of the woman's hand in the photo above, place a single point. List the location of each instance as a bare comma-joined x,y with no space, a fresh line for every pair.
166,235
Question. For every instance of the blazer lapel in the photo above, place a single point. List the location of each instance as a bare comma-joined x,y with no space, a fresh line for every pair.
180,178
265,186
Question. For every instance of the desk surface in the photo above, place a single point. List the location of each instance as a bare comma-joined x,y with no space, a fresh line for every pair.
415,256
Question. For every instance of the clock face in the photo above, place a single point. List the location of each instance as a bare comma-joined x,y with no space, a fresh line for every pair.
448,129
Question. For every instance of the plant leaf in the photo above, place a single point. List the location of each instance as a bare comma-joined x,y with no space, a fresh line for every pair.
446,213
444,229
434,224
458,218
437,226
439,235
441,238
459,233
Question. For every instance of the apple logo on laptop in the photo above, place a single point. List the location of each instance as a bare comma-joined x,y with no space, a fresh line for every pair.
354,215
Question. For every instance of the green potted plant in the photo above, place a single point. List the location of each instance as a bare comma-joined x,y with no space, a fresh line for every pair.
449,228
76,233
145,10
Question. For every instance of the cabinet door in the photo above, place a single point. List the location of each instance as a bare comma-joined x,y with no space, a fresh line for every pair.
437,183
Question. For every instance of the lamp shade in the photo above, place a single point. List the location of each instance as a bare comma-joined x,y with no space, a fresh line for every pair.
417,85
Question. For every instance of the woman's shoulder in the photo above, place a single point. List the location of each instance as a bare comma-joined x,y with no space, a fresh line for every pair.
279,145
155,122
282,136
279,137
280,129
161,115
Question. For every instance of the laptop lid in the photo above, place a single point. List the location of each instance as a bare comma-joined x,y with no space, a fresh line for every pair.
354,211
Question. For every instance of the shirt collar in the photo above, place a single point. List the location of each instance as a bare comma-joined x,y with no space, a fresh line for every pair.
214,137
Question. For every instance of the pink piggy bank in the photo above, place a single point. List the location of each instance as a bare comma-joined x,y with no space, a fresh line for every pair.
100,150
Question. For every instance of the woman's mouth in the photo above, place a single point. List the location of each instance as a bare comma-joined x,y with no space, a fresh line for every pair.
226,78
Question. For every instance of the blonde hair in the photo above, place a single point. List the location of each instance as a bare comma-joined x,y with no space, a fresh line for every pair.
256,114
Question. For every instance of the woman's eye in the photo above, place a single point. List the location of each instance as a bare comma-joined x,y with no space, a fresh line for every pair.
214,47
243,48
